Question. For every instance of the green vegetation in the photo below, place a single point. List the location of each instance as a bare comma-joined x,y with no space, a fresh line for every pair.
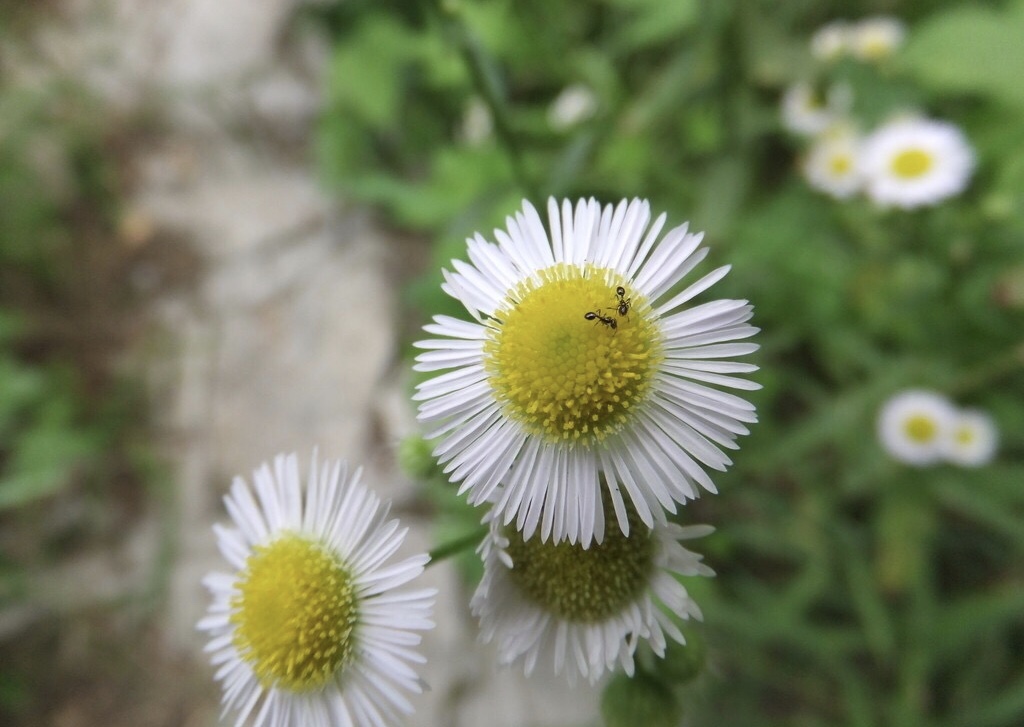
852,590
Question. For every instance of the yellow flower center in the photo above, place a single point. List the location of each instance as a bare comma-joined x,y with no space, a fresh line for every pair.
840,164
920,428
964,435
294,614
912,163
584,584
572,353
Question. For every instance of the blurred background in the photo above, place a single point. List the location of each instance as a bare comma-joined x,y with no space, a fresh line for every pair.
223,223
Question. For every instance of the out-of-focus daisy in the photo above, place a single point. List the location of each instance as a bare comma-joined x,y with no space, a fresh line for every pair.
914,425
309,627
585,366
575,104
832,163
806,111
873,39
971,439
911,162
831,41
582,612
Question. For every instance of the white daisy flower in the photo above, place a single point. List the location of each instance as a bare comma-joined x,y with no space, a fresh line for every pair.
971,439
831,41
910,162
873,39
832,164
308,628
805,111
580,612
914,425
584,368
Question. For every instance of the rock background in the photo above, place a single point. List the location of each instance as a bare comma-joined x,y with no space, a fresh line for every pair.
284,341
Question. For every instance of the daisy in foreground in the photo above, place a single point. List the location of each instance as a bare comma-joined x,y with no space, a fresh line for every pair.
915,425
309,629
911,162
582,612
583,364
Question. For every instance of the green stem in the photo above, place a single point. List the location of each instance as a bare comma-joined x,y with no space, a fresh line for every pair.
995,368
454,547
484,73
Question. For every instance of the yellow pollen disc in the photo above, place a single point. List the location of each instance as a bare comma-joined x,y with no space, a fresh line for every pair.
580,584
912,163
567,359
840,164
920,428
876,47
294,614
964,435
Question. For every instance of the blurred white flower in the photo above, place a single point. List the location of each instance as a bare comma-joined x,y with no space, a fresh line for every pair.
873,39
477,123
574,105
310,627
577,612
831,41
914,425
971,439
911,162
832,164
805,111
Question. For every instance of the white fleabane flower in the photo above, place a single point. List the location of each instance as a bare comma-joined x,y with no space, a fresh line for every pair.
807,112
584,375
309,627
831,41
873,39
971,439
914,425
911,162
832,164
578,612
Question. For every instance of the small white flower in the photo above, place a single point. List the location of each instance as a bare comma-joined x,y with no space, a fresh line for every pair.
831,41
805,111
574,105
911,162
308,628
971,439
832,164
579,612
587,374
914,425
873,39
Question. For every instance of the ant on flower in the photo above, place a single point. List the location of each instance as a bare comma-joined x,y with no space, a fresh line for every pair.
606,320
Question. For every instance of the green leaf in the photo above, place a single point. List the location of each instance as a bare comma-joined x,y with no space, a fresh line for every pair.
640,700
653,22
366,71
970,49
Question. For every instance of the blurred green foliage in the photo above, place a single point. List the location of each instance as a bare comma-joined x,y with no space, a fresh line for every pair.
72,462
852,590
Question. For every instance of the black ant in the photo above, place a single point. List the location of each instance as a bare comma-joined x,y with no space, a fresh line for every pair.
607,320
624,302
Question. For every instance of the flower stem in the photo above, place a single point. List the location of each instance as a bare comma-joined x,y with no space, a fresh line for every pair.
454,547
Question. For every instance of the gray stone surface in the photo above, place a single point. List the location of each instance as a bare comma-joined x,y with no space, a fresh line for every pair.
287,340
